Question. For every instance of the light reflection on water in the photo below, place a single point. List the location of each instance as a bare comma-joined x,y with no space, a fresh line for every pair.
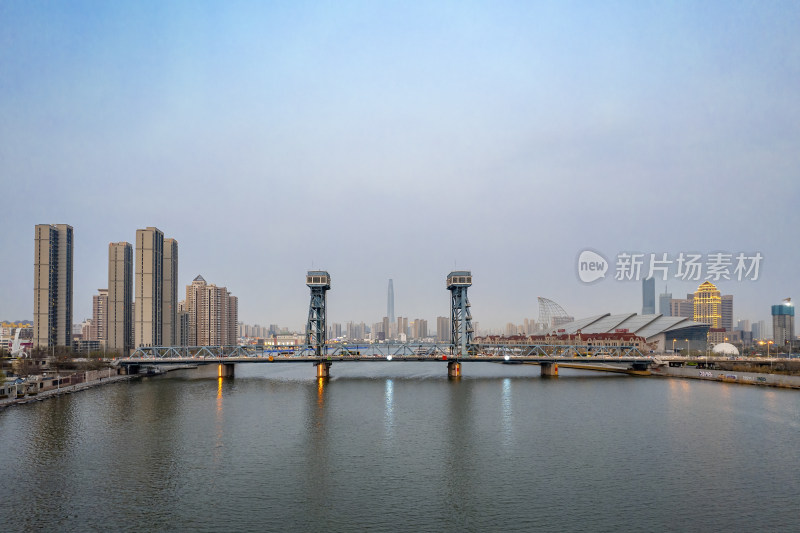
389,417
507,414
401,447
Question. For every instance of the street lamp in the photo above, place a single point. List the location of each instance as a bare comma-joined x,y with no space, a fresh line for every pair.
673,346
687,347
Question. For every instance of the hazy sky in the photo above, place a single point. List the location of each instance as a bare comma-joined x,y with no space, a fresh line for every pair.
399,140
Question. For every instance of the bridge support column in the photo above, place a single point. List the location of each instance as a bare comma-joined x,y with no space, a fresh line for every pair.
453,369
549,369
323,369
225,370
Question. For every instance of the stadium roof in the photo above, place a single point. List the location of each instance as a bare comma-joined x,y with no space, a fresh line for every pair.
641,325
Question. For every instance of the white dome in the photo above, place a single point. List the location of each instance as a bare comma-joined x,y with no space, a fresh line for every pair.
725,348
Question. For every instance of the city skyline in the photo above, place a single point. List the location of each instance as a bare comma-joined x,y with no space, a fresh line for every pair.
533,131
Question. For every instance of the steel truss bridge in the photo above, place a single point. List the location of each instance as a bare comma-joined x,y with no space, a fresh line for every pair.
615,359
390,351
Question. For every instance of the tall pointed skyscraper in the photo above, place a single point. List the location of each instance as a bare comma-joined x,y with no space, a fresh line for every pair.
390,304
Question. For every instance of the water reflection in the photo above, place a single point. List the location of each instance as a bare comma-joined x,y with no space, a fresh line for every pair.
388,418
219,423
321,392
507,418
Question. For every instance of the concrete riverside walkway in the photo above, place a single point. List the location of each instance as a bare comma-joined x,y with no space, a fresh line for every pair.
68,389
728,376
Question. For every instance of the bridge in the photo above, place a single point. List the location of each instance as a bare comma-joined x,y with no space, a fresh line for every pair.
461,348
548,357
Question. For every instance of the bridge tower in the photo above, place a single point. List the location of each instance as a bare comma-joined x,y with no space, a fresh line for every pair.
460,317
319,282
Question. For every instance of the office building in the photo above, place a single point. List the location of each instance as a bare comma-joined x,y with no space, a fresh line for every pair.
783,322
726,312
683,307
52,285
665,303
708,305
149,270
390,304
169,305
649,296
119,314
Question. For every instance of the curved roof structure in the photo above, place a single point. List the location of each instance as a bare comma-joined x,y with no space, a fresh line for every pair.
549,310
646,326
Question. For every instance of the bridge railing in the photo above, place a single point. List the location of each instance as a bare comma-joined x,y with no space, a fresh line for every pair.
384,350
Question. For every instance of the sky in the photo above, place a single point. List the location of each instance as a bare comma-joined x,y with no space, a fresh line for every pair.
403,140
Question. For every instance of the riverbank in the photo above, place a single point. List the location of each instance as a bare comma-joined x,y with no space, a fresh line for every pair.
68,389
727,376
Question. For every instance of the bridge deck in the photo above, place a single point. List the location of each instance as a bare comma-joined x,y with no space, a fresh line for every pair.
385,359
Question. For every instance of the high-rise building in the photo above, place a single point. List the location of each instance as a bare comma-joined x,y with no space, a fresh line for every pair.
726,312
148,318
419,329
52,285
233,319
390,305
708,305
665,303
402,325
99,328
759,330
119,322
783,322
682,306
648,296
442,329
183,320
212,314
169,304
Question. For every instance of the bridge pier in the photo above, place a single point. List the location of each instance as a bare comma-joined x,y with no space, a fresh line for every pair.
549,370
323,369
453,369
225,370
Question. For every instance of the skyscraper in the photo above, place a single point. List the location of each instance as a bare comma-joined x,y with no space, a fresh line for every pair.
443,329
120,298
707,305
390,304
726,312
648,296
98,330
783,322
665,303
212,313
148,318
169,306
52,285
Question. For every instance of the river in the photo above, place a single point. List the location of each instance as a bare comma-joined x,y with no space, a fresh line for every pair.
400,447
